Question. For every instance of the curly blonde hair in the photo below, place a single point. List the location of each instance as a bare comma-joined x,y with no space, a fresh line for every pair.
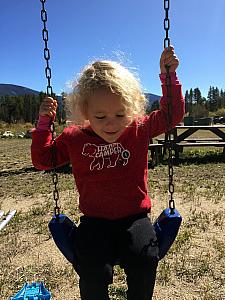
110,75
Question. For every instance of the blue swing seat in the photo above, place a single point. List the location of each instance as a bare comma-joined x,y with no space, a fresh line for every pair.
33,291
167,226
62,229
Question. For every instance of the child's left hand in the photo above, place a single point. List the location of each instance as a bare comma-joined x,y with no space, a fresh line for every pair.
168,58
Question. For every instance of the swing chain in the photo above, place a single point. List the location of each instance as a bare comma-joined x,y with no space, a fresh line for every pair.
169,95
166,23
55,179
48,72
48,75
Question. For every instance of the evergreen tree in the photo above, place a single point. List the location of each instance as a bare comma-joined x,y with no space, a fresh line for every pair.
197,97
20,104
216,96
222,95
211,102
186,99
191,101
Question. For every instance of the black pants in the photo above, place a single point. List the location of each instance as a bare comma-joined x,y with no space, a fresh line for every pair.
101,244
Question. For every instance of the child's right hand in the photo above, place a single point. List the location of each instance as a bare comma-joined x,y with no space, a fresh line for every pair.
48,107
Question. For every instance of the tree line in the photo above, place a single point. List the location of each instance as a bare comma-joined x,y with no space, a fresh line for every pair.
198,106
24,109
14,109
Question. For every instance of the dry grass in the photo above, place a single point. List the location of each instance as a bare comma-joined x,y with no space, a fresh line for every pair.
193,269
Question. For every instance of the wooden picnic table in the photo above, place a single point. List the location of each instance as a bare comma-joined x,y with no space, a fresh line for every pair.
185,137
182,136
189,130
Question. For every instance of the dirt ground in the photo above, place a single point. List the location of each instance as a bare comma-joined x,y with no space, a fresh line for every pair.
192,270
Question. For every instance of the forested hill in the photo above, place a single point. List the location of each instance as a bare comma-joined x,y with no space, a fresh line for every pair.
152,100
21,104
15,90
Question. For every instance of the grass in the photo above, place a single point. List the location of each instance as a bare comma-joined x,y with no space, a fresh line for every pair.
193,268
18,127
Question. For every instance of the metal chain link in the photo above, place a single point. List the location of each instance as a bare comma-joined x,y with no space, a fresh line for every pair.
166,23
48,75
169,95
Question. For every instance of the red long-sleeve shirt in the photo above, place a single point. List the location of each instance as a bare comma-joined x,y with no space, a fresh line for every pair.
111,178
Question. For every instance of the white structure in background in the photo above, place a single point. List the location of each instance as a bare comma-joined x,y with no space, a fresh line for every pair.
4,220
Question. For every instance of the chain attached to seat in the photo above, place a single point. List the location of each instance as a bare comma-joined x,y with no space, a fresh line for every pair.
169,107
48,75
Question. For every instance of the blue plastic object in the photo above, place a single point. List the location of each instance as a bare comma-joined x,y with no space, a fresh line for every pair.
167,226
63,230
33,291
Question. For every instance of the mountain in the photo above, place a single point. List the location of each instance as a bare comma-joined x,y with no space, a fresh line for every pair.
15,90
151,99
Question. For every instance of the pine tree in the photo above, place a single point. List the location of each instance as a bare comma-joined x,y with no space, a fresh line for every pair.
222,95
211,100
190,102
216,95
186,99
197,97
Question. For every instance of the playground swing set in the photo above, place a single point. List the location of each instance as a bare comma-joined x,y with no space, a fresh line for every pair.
61,226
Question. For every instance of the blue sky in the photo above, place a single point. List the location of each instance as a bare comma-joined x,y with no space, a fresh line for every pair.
130,31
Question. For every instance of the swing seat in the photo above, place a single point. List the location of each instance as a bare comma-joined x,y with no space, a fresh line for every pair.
166,227
63,230
33,291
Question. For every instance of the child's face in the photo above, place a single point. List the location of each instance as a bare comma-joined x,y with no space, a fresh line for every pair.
107,115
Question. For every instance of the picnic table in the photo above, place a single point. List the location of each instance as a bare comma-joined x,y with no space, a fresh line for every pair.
182,136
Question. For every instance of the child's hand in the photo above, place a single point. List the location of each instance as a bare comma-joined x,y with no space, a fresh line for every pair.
48,107
169,58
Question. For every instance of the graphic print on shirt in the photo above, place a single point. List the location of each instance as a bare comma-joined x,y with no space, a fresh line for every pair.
106,155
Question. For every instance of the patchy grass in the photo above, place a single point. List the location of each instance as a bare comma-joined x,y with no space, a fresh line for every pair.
193,268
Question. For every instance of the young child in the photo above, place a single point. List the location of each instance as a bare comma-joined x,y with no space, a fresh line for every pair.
108,152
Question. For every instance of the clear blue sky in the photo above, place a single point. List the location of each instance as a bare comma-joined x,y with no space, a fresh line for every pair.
127,30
